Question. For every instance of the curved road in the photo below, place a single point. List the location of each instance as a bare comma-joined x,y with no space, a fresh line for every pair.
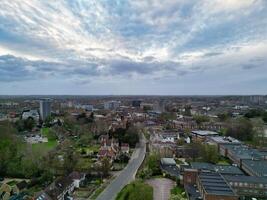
128,173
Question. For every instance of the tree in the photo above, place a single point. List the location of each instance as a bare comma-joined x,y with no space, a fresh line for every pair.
131,136
259,138
240,128
223,116
209,153
105,166
153,164
201,118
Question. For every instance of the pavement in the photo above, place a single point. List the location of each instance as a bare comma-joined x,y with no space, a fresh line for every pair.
127,174
161,188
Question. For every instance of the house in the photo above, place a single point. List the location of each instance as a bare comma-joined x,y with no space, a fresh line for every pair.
77,178
60,189
109,148
125,148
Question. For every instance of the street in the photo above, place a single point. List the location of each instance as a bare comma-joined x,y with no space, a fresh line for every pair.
128,173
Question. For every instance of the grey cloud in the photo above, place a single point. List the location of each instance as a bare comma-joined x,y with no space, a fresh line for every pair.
211,54
254,63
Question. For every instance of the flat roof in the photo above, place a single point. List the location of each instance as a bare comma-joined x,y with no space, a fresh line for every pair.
214,183
204,133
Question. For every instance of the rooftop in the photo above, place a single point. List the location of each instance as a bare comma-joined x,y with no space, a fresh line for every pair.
168,161
224,140
205,133
214,183
246,179
258,166
243,151
222,169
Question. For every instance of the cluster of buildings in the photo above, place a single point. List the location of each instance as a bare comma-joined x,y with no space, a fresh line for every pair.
111,149
246,177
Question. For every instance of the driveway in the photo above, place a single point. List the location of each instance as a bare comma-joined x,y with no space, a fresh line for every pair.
161,188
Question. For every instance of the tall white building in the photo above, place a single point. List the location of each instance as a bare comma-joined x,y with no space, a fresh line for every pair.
45,108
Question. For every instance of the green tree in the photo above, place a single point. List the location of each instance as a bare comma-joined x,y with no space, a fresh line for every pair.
105,166
240,128
201,118
259,139
153,164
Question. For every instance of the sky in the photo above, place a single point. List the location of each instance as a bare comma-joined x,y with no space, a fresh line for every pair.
135,47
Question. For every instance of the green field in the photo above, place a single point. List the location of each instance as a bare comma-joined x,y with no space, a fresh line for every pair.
136,190
43,148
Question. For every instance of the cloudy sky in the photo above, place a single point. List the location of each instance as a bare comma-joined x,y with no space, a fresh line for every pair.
175,47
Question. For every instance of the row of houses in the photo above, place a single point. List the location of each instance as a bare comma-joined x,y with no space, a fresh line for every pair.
62,188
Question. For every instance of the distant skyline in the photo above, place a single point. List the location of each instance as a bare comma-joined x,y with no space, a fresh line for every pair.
127,47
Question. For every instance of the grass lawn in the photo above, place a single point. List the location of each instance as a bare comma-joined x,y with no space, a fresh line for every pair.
136,190
42,148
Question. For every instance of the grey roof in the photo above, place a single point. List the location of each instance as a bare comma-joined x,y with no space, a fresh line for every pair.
224,140
245,179
168,161
214,183
243,151
228,169
258,166
172,170
204,133
223,169
202,166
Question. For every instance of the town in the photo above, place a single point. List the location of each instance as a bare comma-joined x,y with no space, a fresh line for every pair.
118,147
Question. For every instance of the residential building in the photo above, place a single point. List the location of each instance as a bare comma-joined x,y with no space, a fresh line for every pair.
45,108
125,148
77,178
60,189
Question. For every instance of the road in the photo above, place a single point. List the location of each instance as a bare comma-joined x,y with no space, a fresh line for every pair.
128,173
161,188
